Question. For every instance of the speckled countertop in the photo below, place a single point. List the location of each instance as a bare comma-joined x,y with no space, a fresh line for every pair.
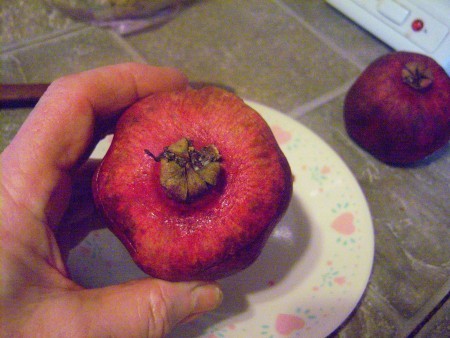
299,57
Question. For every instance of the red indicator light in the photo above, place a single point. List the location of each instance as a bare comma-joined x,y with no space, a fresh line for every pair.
417,25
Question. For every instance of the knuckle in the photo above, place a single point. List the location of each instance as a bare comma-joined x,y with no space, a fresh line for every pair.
159,321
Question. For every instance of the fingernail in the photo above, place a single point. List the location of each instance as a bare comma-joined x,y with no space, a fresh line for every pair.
206,297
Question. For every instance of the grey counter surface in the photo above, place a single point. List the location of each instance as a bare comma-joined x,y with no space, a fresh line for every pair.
299,57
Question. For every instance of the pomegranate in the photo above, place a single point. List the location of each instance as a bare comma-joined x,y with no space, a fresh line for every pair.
193,184
399,108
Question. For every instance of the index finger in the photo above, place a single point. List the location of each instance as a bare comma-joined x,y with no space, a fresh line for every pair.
61,127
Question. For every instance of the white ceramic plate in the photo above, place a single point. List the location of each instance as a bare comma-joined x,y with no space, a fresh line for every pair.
313,270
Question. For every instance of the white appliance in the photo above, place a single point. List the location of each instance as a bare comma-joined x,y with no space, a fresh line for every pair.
421,26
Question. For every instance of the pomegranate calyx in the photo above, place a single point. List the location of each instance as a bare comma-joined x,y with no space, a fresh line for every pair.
187,173
417,75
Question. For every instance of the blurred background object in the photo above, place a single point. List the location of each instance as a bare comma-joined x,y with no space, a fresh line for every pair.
123,16
420,26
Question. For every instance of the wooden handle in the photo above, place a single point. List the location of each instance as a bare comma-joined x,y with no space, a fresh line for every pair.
21,95
27,95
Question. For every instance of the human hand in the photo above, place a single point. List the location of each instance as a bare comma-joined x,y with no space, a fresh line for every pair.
37,298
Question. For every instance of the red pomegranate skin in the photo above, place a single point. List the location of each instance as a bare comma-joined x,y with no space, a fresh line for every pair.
217,234
393,121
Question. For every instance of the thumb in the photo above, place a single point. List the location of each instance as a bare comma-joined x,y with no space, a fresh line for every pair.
146,308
